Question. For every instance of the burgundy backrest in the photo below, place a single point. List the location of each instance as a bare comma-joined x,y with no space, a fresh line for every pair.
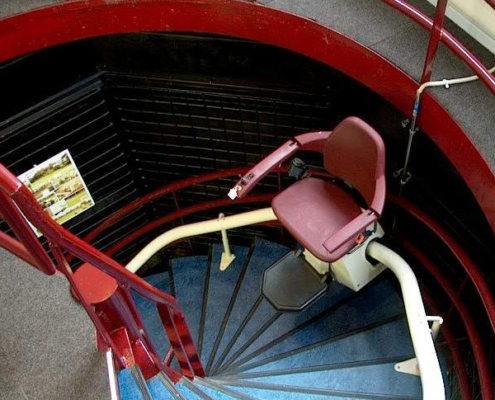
355,153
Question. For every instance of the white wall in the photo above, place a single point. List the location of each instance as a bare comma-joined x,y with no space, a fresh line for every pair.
476,17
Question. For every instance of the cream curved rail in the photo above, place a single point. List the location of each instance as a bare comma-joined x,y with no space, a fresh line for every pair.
421,336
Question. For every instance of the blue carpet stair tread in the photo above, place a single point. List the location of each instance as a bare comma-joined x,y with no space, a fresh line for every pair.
374,303
290,394
263,315
264,255
150,315
158,390
186,393
389,340
373,379
214,394
189,279
128,387
289,322
220,291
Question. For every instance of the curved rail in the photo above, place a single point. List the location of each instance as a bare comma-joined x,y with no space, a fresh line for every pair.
182,213
449,337
199,228
466,317
431,374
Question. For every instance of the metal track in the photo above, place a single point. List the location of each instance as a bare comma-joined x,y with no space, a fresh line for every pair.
141,382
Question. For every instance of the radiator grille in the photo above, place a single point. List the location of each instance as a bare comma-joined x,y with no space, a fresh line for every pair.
176,129
131,134
77,119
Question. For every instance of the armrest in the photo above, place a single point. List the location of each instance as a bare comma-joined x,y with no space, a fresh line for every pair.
263,168
312,141
350,231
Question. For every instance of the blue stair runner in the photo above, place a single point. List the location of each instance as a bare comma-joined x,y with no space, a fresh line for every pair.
344,346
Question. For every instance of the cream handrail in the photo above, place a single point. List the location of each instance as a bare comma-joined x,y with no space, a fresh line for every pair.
199,228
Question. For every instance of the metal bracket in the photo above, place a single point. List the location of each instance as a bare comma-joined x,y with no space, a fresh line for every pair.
411,366
227,256
437,322
403,181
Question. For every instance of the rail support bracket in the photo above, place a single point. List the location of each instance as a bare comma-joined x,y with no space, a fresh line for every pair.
227,256
409,367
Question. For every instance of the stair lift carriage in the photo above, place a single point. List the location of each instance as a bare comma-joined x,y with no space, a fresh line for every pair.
319,214
336,231
324,217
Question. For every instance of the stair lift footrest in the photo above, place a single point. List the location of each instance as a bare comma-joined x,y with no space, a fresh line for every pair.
291,284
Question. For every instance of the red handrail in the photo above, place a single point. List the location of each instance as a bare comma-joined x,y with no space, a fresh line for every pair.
435,37
469,265
449,337
473,334
158,193
16,198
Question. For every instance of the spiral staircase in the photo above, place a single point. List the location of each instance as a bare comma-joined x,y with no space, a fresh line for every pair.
345,345
163,103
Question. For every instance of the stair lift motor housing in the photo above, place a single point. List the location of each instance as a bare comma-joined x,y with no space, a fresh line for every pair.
354,270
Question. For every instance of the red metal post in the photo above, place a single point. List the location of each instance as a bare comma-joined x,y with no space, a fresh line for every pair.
13,216
15,247
185,351
100,328
435,37
449,40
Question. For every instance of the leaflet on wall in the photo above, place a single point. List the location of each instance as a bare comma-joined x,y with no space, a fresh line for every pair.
59,187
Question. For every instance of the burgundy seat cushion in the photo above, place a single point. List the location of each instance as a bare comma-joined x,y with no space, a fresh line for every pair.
312,210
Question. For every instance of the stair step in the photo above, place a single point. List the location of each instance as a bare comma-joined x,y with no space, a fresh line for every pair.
189,278
150,316
383,341
380,378
377,302
291,392
219,391
220,292
159,391
129,385
191,391
289,323
248,301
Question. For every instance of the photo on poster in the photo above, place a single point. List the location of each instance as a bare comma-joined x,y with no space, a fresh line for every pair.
59,187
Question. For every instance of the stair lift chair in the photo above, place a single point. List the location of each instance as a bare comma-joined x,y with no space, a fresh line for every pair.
322,216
